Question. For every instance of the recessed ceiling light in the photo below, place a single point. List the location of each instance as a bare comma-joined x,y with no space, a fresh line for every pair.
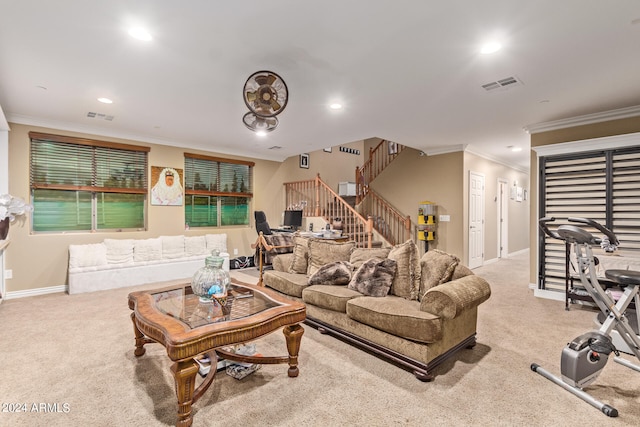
335,106
140,34
490,47
105,100
516,149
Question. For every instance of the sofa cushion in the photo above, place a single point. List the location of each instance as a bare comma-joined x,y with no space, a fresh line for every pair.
299,262
397,316
374,277
406,283
330,297
119,251
461,271
324,252
335,273
360,255
216,241
436,267
89,255
196,245
147,250
172,247
288,283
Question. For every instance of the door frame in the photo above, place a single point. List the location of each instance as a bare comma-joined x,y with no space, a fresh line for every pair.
481,216
503,217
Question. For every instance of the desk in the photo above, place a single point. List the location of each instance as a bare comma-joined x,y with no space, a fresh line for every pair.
188,328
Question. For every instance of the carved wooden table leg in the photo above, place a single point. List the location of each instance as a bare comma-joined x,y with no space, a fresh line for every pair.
293,335
184,374
140,340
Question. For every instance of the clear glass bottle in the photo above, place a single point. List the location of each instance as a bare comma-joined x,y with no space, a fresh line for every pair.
211,281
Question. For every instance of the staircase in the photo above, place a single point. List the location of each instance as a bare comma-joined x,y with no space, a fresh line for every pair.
363,216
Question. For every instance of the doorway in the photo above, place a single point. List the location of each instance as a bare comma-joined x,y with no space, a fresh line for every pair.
503,218
476,219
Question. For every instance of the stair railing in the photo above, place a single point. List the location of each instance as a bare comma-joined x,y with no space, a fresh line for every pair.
379,158
317,199
387,220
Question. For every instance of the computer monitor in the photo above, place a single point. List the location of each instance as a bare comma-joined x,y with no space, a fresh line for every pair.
293,219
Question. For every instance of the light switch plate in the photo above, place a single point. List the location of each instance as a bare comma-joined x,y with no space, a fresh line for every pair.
445,218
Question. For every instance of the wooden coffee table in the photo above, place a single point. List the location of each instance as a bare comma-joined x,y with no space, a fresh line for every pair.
189,328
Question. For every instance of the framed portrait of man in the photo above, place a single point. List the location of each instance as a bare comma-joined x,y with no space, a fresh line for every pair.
166,187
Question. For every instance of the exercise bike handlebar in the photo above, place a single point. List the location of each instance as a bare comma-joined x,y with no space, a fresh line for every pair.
554,234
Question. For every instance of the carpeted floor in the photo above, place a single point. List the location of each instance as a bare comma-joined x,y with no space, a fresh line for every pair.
72,356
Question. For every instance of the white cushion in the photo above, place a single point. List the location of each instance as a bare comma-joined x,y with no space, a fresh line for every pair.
216,241
195,245
119,251
147,250
90,255
172,247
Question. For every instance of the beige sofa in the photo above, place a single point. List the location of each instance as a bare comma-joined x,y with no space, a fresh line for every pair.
416,315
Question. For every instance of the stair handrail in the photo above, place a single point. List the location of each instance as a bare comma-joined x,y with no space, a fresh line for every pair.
316,198
379,158
388,221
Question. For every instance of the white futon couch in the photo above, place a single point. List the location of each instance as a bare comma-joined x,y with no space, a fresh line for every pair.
117,263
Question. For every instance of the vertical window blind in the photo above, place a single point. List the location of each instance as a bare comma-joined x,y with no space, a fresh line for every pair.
601,185
86,185
217,191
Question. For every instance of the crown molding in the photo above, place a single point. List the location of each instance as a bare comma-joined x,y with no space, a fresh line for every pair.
445,149
621,113
473,151
104,132
606,142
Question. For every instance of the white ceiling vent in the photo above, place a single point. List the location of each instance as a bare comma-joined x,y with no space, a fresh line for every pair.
100,116
503,83
275,147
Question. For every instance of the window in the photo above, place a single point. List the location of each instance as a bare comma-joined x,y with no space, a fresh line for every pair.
602,185
86,185
217,191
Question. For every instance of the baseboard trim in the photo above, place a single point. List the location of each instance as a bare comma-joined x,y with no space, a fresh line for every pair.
546,294
35,292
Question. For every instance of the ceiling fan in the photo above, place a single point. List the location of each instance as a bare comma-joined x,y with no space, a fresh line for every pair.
266,95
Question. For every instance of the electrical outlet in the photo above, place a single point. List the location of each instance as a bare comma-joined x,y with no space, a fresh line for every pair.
8,274
235,251
445,218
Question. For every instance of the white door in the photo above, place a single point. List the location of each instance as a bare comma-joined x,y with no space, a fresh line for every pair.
503,219
476,219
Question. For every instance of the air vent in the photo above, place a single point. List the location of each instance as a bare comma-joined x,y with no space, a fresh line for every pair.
100,116
502,83
275,147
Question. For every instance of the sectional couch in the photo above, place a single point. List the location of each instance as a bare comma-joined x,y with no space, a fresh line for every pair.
414,312
116,263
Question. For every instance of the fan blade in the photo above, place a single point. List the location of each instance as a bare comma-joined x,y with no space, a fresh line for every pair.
270,79
251,96
272,121
275,105
262,80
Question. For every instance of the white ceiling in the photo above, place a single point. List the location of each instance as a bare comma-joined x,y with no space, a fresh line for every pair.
407,71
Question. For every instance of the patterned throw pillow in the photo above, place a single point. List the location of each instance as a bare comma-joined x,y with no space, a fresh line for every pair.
336,273
437,267
374,277
406,283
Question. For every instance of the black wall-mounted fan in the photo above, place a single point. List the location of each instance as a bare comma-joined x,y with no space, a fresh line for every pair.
265,94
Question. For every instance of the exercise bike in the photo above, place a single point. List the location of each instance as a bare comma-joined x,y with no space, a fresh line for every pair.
583,359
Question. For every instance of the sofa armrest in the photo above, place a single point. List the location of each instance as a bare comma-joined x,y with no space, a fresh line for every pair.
450,299
282,262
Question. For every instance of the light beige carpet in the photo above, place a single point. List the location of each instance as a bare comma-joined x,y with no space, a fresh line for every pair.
78,350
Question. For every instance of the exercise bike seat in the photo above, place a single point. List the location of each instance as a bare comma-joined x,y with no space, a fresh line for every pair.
624,277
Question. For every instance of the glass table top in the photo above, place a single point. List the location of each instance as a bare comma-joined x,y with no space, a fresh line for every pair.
183,305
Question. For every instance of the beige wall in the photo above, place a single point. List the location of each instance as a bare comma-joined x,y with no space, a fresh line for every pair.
48,253
576,133
40,260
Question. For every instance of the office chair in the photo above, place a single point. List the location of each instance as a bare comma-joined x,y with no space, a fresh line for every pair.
261,223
